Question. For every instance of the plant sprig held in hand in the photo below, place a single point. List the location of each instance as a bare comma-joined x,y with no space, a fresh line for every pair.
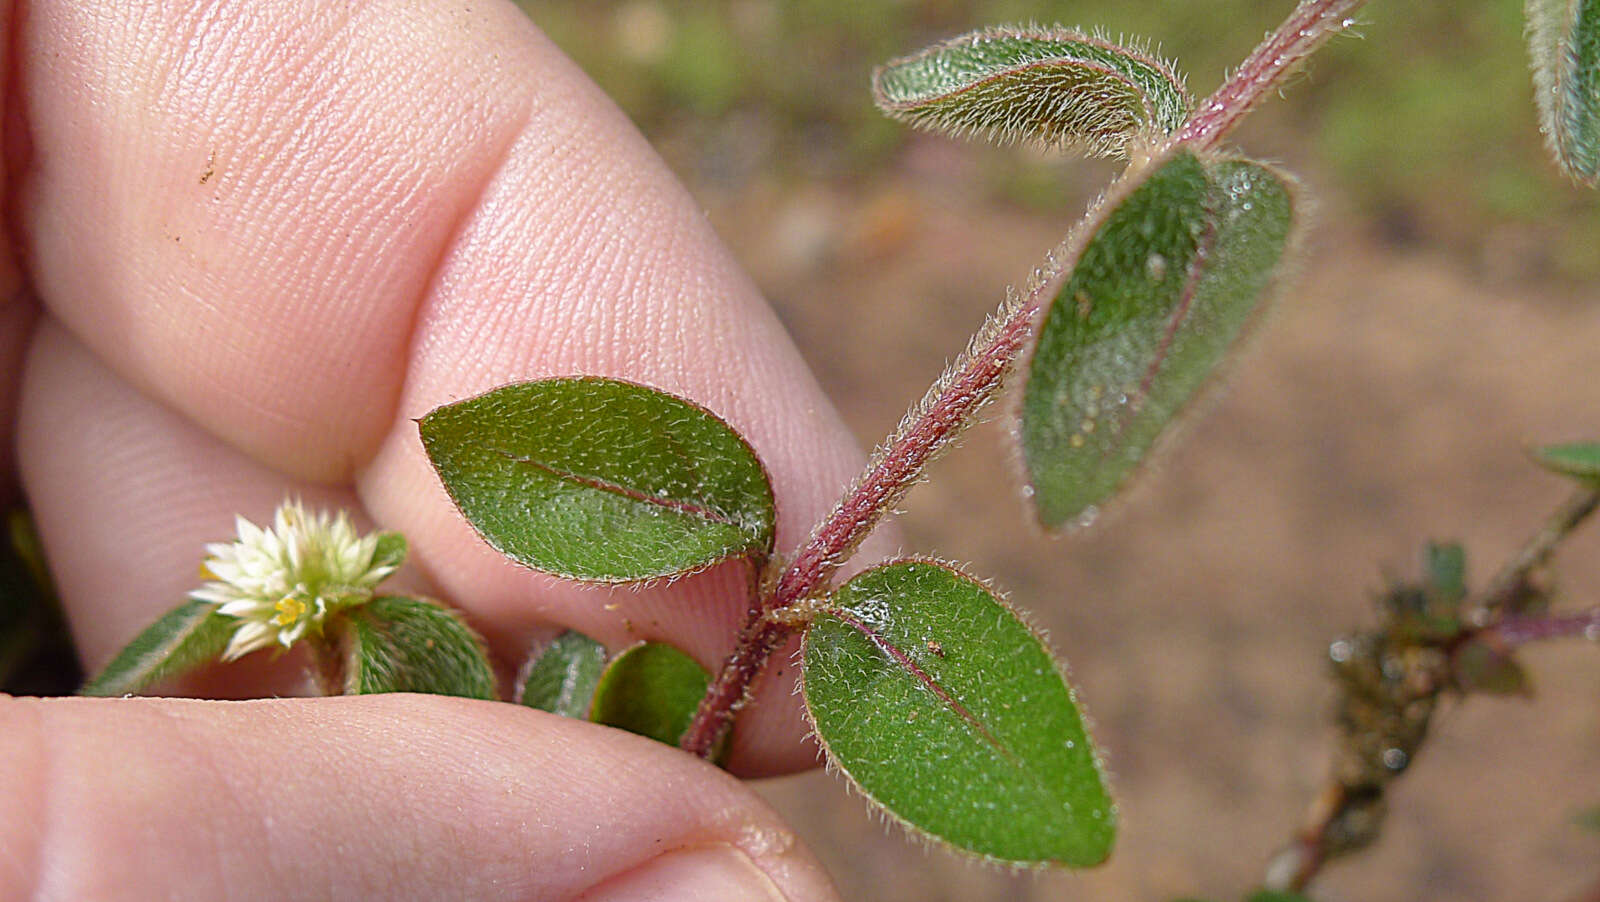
923,686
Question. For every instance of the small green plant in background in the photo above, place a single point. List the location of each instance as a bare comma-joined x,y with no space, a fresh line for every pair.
923,685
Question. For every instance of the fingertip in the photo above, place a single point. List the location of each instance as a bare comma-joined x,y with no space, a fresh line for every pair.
397,797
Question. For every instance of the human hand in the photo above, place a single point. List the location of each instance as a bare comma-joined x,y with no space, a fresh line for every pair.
251,242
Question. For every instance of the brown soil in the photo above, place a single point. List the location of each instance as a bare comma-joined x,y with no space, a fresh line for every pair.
1385,402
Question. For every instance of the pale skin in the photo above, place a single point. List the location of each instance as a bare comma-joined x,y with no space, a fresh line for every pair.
249,243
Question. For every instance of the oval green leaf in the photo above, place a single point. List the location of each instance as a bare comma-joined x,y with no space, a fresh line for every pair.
1564,41
190,635
651,689
1579,460
1166,279
562,677
1049,85
949,712
398,644
601,480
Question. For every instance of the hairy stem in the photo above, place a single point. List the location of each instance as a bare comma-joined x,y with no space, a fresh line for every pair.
726,694
1310,26
965,387
950,405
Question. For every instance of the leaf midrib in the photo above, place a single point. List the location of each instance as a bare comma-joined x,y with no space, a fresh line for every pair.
1193,274
614,488
905,661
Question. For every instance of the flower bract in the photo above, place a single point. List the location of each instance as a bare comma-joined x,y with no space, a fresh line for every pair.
283,582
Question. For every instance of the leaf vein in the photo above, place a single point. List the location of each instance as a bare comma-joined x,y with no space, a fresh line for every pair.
603,485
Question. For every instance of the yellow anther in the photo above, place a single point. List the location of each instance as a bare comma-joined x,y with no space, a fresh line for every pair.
290,609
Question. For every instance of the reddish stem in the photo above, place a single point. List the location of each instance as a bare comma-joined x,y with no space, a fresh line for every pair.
726,695
949,406
1311,24
952,403
1522,630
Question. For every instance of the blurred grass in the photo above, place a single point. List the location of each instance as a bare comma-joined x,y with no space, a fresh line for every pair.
1424,124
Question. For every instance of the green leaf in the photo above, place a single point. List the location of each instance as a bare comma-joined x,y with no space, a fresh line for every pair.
1050,85
1480,667
391,550
1168,274
1564,41
186,637
1269,895
1446,566
398,644
651,689
948,711
601,480
562,677
1579,460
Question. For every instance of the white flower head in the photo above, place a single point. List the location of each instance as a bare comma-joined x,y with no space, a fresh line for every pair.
282,583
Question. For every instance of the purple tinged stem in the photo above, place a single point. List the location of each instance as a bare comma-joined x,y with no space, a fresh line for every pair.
963,390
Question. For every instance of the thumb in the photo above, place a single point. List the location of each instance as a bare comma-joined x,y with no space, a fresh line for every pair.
389,797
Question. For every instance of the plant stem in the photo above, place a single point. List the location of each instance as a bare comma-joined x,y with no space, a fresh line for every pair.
1311,24
726,694
1507,585
1494,617
328,658
1515,631
950,405
955,399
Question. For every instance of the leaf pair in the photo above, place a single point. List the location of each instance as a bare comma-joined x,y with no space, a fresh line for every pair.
930,693
650,688
363,643
1160,282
